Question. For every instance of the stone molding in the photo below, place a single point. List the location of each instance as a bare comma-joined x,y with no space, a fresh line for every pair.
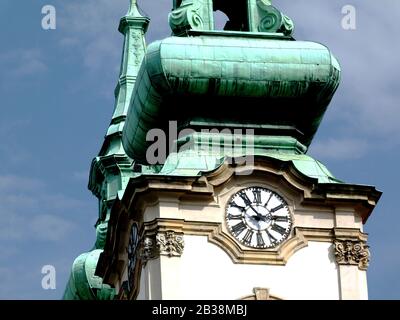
166,237
147,191
216,235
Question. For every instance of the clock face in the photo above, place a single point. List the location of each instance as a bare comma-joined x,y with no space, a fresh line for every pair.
132,257
258,217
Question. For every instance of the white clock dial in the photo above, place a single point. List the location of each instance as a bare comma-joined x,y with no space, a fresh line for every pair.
258,217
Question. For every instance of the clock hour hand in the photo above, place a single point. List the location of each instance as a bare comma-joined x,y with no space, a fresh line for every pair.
249,203
252,208
259,216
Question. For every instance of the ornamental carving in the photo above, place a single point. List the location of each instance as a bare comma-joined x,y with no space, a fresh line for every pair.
149,249
197,15
186,17
137,49
349,252
272,20
168,243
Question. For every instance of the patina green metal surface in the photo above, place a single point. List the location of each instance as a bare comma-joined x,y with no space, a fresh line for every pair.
83,284
251,76
281,82
205,152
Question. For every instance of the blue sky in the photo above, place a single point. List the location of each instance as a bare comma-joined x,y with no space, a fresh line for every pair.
56,90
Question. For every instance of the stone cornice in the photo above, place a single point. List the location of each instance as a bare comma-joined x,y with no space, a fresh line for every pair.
364,198
102,166
150,190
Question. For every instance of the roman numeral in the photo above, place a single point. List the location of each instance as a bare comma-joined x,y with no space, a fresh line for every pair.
247,237
260,240
257,196
245,198
280,219
270,236
234,204
269,199
279,229
277,208
234,217
238,228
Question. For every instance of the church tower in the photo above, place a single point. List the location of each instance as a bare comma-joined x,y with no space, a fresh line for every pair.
111,169
204,184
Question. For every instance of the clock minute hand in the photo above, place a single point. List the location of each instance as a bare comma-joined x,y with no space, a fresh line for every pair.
252,208
248,202
259,215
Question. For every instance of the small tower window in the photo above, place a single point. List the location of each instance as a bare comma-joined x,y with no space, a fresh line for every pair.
236,13
220,20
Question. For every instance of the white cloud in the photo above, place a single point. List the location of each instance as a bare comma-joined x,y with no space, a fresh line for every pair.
23,62
28,226
81,175
366,105
12,152
31,211
69,42
11,183
89,28
50,228
18,279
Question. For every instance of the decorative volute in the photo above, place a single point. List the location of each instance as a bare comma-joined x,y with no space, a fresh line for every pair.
244,16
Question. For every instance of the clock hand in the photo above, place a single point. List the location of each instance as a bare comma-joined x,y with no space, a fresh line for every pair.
252,208
249,215
258,215
269,199
257,218
261,217
248,203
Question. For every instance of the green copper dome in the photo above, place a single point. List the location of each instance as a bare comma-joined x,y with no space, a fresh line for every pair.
279,81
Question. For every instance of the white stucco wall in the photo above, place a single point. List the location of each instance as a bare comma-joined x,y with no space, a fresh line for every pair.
205,271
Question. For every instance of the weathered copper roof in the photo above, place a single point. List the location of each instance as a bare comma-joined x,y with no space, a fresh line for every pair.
256,80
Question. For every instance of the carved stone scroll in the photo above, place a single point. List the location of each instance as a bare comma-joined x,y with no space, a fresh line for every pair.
348,252
166,243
